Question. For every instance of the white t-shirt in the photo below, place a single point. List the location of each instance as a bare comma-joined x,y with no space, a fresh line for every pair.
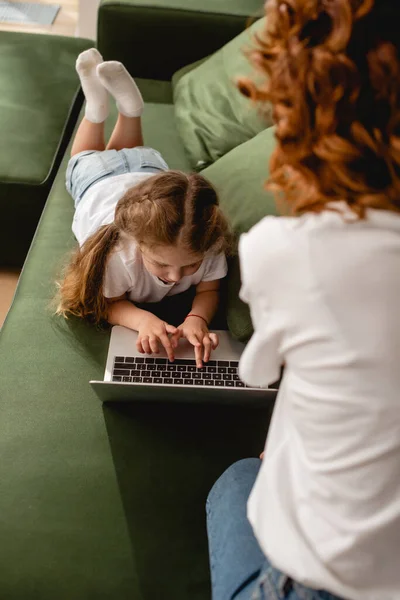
125,271
324,296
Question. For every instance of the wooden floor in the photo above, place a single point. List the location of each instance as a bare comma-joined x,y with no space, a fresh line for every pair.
65,24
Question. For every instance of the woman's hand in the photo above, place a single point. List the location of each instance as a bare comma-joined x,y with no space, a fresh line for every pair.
151,332
195,330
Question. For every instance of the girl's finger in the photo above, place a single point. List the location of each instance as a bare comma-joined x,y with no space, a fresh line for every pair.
153,342
198,354
214,340
207,347
198,349
139,346
192,338
166,342
175,338
146,345
170,328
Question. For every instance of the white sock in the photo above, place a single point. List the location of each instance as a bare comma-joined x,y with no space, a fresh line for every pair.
120,84
96,95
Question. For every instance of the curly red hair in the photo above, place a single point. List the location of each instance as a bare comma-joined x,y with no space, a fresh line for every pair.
333,78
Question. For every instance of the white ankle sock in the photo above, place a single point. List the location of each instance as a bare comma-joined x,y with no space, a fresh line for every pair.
116,79
96,95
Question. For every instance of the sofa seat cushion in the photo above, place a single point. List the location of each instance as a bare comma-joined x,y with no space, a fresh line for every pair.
159,129
95,496
39,95
239,179
212,116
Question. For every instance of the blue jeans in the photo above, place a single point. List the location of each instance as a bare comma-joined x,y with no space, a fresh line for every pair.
90,166
239,569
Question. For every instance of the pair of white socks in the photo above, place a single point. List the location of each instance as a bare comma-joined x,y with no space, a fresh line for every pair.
98,79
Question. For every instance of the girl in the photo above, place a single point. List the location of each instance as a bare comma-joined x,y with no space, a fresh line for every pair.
144,231
324,503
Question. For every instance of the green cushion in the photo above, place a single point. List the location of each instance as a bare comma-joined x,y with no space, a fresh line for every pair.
177,76
212,116
155,91
38,107
239,179
160,131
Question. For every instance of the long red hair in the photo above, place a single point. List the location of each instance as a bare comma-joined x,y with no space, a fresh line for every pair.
333,78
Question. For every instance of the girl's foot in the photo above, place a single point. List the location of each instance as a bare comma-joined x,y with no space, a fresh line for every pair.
116,79
96,95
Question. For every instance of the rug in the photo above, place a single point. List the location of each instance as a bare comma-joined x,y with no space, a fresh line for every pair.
28,13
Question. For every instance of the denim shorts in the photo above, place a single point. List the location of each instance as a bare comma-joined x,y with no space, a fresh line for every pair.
90,166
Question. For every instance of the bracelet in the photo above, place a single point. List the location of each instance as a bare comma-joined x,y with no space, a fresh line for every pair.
199,316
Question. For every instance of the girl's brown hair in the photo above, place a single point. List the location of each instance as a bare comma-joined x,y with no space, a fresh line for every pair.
171,209
334,82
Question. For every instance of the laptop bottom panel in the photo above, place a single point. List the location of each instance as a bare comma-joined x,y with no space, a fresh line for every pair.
128,392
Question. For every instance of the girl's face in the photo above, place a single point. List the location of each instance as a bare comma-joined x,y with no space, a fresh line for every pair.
170,263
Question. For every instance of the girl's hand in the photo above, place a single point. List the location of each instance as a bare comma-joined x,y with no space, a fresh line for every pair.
195,330
152,331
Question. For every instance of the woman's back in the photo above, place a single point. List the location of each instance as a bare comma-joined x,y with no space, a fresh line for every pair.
323,289
324,292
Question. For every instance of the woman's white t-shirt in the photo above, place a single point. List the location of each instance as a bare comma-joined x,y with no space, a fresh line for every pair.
324,295
125,271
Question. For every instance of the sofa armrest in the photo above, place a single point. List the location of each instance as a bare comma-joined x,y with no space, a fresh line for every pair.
155,38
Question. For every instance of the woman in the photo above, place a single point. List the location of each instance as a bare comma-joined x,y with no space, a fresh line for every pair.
323,287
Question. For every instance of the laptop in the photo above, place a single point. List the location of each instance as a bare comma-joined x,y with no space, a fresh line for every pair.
131,376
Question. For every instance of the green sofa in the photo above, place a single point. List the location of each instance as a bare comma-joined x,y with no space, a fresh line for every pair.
108,501
39,102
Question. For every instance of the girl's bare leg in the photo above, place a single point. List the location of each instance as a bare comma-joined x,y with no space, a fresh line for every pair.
99,78
90,136
118,82
127,133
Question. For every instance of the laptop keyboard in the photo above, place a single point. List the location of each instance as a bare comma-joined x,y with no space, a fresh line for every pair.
160,371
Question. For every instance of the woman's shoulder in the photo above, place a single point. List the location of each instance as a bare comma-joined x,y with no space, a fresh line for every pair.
277,246
270,234
282,230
